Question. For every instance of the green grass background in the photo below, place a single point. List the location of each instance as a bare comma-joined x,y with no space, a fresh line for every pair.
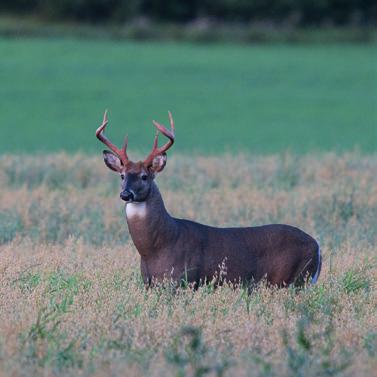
261,99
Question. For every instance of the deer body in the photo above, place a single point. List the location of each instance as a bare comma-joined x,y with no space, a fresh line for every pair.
179,249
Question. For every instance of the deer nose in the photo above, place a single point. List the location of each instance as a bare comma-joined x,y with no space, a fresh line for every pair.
127,196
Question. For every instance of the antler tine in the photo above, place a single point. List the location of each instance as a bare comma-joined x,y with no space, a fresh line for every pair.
124,149
121,153
170,134
171,121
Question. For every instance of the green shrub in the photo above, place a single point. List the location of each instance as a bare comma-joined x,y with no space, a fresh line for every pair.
355,280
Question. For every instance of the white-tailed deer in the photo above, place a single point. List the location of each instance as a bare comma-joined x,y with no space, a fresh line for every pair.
182,249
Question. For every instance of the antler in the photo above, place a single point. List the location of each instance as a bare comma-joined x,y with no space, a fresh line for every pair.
169,134
121,153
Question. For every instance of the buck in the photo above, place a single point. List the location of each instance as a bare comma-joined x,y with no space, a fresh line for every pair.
176,249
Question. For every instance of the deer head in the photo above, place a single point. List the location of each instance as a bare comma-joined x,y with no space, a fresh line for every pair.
137,177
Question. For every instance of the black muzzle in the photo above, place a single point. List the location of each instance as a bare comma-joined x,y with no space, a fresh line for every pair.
127,196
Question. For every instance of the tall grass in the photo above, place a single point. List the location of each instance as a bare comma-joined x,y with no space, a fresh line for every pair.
72,301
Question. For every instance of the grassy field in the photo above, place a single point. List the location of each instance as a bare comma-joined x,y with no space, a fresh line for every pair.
258,99
72,302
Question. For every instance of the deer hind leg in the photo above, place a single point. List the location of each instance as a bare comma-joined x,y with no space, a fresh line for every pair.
309,272
319,265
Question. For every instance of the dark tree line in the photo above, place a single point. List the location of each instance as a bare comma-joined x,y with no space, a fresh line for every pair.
301,12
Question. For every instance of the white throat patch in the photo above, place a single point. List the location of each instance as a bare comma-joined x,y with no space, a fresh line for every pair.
135,209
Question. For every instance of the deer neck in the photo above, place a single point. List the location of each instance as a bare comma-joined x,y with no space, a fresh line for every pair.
150,226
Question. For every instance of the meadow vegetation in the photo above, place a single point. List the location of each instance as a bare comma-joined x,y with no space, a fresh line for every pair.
202,30
72,302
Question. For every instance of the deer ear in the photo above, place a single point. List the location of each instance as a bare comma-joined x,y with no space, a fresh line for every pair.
112,162
159,163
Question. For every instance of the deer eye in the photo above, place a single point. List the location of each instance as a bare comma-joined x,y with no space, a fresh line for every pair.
144,177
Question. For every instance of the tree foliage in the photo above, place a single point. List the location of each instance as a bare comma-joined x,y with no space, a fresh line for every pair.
300,12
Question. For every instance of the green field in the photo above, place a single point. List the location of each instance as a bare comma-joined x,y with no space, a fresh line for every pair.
261,99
